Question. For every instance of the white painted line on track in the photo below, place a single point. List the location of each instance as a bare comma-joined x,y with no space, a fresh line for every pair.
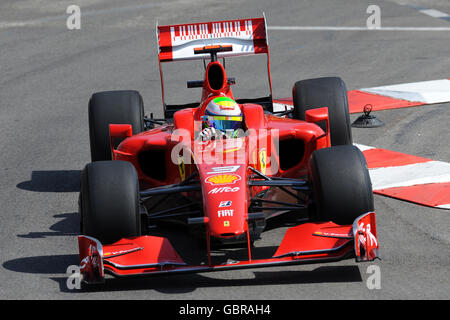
333,28
434,13
427,11
84,13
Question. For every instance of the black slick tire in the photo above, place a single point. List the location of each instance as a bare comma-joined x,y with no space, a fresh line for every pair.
109,201
342,189
328,92
112,107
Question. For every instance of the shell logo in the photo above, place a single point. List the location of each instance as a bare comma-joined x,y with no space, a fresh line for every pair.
223,179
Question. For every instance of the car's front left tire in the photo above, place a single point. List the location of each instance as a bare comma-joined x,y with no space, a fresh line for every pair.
109,201
112,107
327,92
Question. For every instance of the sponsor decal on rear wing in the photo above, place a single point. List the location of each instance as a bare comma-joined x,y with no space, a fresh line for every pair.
246,36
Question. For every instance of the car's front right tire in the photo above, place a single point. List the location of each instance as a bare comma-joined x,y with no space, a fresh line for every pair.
342,190
112,107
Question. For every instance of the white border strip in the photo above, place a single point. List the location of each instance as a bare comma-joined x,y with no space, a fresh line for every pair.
434,13
433,91
363,147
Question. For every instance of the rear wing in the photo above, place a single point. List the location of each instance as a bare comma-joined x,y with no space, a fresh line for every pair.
177,42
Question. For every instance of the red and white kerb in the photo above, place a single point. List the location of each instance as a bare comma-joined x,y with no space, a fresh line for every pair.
396,96
406,177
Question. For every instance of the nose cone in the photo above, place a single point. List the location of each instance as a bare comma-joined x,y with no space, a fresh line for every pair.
224,189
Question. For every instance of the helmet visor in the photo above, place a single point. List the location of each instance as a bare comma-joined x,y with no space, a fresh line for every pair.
222,123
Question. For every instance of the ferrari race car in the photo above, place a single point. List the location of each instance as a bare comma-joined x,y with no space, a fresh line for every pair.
149,175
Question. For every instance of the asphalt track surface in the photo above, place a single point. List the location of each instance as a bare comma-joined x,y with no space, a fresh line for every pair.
47,74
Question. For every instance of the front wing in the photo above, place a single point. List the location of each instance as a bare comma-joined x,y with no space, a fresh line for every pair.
302,244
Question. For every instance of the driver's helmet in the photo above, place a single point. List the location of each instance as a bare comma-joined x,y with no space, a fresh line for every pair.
224,114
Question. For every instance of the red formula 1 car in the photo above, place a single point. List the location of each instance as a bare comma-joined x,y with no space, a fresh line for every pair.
148,177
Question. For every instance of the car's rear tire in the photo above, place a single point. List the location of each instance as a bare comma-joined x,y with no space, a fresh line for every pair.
112,107
328,92
109,201
342,189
